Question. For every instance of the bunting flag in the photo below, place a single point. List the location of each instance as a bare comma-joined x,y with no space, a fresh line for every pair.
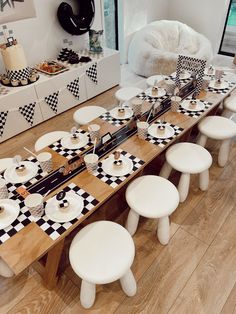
73,87
3,119
52,101
92,73
28,112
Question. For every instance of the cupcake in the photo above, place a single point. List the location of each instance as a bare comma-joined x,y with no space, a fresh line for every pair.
154,91
218,82
118,163
192,104
161,129
14,82
63,205
210,69
74,138
20,170
5,80
33,78
24,81
121,112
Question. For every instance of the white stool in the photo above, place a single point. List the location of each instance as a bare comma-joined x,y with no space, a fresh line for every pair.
101,253
152,79
151,197
126,93
48,139
229,106
188,158
87,114
218,128
5,271
5,163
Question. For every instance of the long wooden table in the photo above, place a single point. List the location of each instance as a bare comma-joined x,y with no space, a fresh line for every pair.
31,243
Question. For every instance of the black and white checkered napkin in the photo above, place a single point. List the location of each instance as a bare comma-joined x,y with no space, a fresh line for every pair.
52,101
27,112
195,114
115,181
221,91
69,153
91,72
3,119
151,100
116,122
73,87
160,141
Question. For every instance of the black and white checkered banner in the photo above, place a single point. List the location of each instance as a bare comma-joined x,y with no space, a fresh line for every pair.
27,112
3,119
73,87
52,101
92,73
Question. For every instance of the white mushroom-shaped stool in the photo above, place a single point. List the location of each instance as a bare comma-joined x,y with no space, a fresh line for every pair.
101,253
127,93
5,271
221,129
188,158
48,139
87,114
5,163
151,80
151,197
229,106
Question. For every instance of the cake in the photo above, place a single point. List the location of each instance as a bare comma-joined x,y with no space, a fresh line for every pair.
192,104
154,91
74,139
20,170
121,112
161,129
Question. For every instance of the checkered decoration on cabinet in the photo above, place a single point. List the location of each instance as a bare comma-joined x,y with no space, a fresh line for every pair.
73,87
195,114
28,112
221,91
160,141
70,153
54,229
3,119
92,73
52,101
116,122
151,100
19,74
115,181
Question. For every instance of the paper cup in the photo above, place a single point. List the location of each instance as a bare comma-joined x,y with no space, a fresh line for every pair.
175,102
3,189
136,104
94,132
34,202
45,161
91,161
142,129
169,86
206,82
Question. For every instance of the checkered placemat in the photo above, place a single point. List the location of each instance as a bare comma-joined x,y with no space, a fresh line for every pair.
195,114
151,100
116,122
221,91
115,181
70,153
183,81
52,229
160,141
13,187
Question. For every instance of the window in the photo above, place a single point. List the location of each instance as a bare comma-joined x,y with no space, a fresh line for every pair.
111,23
228,42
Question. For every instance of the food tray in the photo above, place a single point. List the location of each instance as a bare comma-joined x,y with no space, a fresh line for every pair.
52,63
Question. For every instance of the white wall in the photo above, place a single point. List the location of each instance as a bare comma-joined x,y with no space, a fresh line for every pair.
42,37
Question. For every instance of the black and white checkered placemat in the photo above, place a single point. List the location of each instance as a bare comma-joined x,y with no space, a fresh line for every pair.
195,114
115,181
151,100
182,81
116,122
160,141
221,91
70,153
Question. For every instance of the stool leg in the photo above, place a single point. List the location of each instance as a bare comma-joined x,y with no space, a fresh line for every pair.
183,186
87,294
165,170
132,222
204,180
163,230
128,284
202,140
227,114
224,152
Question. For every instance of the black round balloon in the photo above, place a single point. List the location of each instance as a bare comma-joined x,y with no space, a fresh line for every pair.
76,24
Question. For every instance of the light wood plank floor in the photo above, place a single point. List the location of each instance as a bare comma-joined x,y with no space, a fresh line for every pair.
195,273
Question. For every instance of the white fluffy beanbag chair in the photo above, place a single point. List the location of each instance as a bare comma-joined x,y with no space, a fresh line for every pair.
155,48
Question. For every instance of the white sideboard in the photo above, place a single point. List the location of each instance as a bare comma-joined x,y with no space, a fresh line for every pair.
108,76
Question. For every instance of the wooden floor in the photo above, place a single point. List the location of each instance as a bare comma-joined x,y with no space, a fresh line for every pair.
195,273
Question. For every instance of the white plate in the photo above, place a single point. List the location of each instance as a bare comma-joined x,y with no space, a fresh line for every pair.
161,92
109,168
10,213
67,143
159,78
11,176
223,85
185,104
54,213
182,76
128,113
169,131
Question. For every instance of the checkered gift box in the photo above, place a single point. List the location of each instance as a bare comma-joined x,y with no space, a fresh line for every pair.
195,114
151,100
116,122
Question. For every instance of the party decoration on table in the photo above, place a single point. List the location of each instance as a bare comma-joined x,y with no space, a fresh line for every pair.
76,24
52,101
116,122
28,112
73,87
91,72
204,106
193,65
3,119
95,41
151,100
221,91
65,53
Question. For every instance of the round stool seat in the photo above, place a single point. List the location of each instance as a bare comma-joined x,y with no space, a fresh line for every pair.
87,114
152,196
230,103
102,252
48,139
218,128
5,163
188,158
127,93
152,79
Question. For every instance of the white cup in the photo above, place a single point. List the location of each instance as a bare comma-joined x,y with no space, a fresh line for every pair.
142,129
94,132
206,82
3,189
91,161
169,86
136,104
34,202
45,161
175,102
